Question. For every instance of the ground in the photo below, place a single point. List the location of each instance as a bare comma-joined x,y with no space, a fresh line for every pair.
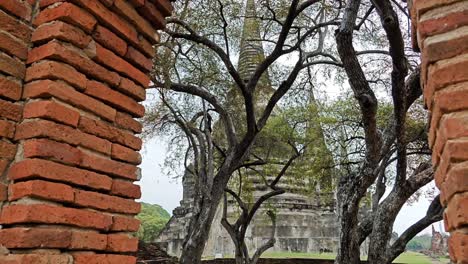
407,257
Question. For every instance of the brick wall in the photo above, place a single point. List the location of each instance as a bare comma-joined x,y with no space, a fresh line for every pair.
441,34
72,74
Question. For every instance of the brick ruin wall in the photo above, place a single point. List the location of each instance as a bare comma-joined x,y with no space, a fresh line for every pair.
440,32
72,74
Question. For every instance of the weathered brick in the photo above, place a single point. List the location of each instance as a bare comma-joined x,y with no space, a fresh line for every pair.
108,58
109,132
125,224
164,6
59,51
7,150
90,258
35,259
46,3
106,202
443,19
4,197
88,241
10,88
142,25
10,110
53,111
69,13
457,207
456,182
445,45
122,153
140,60
125,121
125,189
121,243
18,8
56,71
114,98
62,31
12,66
41,189
44,169
7,129
13,46
109,166
3,165
25,238
48,89
128,87
62,133
458,247
110,19
145,46
109,40
44,148
138,3
50,214
15,27
151,13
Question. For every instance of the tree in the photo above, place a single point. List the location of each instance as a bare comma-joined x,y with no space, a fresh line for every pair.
153,219
196,66
382,144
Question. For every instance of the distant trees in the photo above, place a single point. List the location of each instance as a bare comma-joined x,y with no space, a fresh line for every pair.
153,219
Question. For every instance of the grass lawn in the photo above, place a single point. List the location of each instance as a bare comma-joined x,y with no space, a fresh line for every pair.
406,258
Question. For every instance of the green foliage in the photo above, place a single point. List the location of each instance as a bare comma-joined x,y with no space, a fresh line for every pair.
153,219
419,243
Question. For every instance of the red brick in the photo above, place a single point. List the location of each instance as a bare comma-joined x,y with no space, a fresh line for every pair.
44,148
88,241
34,259
146,47
62,31
126,189
13,46
69,13
108,166
46,3
41,189
7,129
7,150
143,26
12,66
125,224
108,58
114,98
458,247
109,40
121,243
445,46
10,110
122,153
4,197
456,182
25,238
61,133
10,88
150,12
52,111
422,6
18,8
442,23
3,166
140,60
43,169
56,71
109,132
49,214
457,149
125,121
48,89
110,19
57,50
15,27
128,87
456,211
106,202
90,258
108,3
164,6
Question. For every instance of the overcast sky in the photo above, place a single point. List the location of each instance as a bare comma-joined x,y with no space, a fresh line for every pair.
157,188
